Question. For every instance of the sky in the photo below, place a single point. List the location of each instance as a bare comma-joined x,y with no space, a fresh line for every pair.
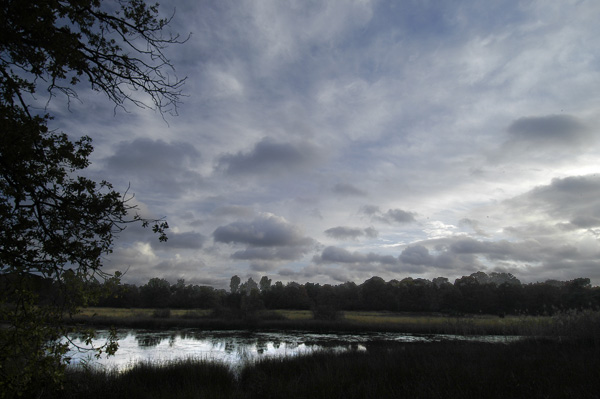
332,141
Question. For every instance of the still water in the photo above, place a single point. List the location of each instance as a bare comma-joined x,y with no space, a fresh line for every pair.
236,348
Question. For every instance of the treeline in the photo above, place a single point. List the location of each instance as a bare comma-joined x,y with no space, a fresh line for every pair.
496,293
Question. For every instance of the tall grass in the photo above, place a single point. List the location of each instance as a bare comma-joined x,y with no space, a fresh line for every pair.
569,324
528,369
531,370
189,378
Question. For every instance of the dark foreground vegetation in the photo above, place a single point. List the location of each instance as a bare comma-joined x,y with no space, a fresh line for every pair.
560,359
530,369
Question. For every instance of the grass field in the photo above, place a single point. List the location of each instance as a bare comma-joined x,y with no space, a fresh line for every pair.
132,313
303,319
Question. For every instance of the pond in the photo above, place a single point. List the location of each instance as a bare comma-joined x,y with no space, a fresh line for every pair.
235,348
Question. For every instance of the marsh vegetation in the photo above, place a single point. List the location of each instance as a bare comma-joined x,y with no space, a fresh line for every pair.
559,358
530,369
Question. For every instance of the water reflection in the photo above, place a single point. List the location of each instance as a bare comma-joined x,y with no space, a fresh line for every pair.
238,347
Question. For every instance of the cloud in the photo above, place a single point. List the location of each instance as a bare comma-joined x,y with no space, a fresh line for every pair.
268,237
398,216
234,211
549,138
548,130
441,115
348,190
350,233
271,158
417,255
155,164
525,251
267,230
270,253
338,255
414,259
572,202
474,224
392,216
186,240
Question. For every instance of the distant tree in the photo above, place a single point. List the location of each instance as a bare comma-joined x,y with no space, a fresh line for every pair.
264,284
249,286
376,294
503,278
327,304
577,293
477,297
295,297
181,295
440,281
349,295
234,284
156,293
251,304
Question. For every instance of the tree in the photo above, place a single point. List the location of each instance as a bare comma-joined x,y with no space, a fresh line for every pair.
234,284
264,284
156,293
56,224
248,287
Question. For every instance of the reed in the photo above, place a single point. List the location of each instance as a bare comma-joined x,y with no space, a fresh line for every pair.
187,378
569,324
527,369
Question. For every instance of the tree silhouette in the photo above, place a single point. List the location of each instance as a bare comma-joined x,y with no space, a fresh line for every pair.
57,224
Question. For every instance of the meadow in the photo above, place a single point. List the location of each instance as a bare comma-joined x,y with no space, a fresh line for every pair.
406,322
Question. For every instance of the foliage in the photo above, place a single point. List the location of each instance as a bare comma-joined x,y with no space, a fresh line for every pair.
504,296
57,224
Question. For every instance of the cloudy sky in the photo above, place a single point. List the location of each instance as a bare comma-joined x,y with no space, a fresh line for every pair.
331,141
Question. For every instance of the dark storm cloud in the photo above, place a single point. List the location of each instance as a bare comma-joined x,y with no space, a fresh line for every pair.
348,190
350,233
267,237
271,157
146,162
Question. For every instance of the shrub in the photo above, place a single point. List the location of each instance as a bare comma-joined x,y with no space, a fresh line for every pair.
161,313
